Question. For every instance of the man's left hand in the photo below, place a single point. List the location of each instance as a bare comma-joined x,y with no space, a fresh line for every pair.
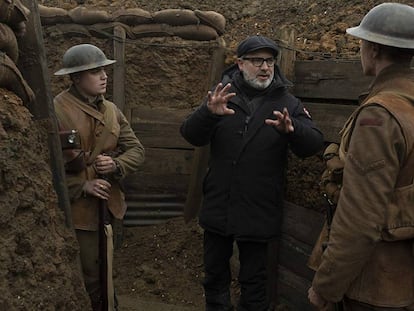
283,122
104,165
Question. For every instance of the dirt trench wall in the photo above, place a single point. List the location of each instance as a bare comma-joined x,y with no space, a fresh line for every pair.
39,268
38,261
160,72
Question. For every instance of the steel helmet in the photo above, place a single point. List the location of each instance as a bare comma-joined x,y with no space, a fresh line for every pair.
83,57
390,24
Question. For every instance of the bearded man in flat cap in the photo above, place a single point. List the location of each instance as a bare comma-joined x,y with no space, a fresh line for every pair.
250,121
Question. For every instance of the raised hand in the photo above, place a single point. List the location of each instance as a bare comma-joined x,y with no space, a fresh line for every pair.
283,123
217,100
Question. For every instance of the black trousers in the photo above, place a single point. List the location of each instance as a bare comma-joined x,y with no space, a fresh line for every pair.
252,275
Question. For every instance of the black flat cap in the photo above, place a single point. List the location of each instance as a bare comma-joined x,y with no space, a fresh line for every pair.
255,43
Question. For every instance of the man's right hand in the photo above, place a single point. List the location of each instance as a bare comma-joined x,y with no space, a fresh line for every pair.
317,301
217,100
99,188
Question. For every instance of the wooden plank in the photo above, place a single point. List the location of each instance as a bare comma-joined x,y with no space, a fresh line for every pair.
160,135
288,57
293,290
167,161
301,223
294,255
33,65
119,68
330,80
149,183
164,171
330,118
159,114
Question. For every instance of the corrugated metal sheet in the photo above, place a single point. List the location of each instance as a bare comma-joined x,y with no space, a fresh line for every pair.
150,209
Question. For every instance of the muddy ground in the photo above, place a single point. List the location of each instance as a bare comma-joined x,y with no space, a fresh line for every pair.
160,263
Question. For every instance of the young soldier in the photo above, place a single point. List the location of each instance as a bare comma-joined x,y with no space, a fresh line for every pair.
109,150
369,259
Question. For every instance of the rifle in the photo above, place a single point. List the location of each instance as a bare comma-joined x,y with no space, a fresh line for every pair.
330,207
103,253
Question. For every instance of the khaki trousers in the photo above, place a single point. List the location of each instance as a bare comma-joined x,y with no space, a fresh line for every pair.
353,305
89,257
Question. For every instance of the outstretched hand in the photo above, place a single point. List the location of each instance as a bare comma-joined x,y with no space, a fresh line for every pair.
283,122
217,100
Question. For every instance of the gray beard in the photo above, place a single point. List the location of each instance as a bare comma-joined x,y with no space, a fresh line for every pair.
255,84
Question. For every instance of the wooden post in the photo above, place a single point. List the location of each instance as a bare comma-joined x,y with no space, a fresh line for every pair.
119,68
201,154
288,56
33,65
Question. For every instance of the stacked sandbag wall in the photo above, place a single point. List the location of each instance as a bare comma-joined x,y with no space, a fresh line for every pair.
13,17
168,53
138,23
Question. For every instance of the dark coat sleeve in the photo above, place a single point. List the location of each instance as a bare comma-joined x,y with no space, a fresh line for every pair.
199,126
307,139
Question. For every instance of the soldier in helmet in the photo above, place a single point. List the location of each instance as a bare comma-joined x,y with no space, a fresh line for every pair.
109,150
369,260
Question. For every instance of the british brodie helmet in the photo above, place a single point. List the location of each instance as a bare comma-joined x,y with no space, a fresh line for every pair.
390,24
83,57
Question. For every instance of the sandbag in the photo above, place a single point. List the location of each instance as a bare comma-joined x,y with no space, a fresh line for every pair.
101,30
19,29
6,10
106,30
152,30
175,17
12,79
70,30
13,12
8,42
132,16
195,32
84,16
52,16
212,19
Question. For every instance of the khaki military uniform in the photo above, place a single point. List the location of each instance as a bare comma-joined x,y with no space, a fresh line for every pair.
370,257
97,121
103,129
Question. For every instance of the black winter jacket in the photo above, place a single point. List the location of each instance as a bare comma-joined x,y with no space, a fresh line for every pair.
244,186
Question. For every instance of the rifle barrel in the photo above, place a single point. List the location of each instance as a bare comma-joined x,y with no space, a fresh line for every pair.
103,256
